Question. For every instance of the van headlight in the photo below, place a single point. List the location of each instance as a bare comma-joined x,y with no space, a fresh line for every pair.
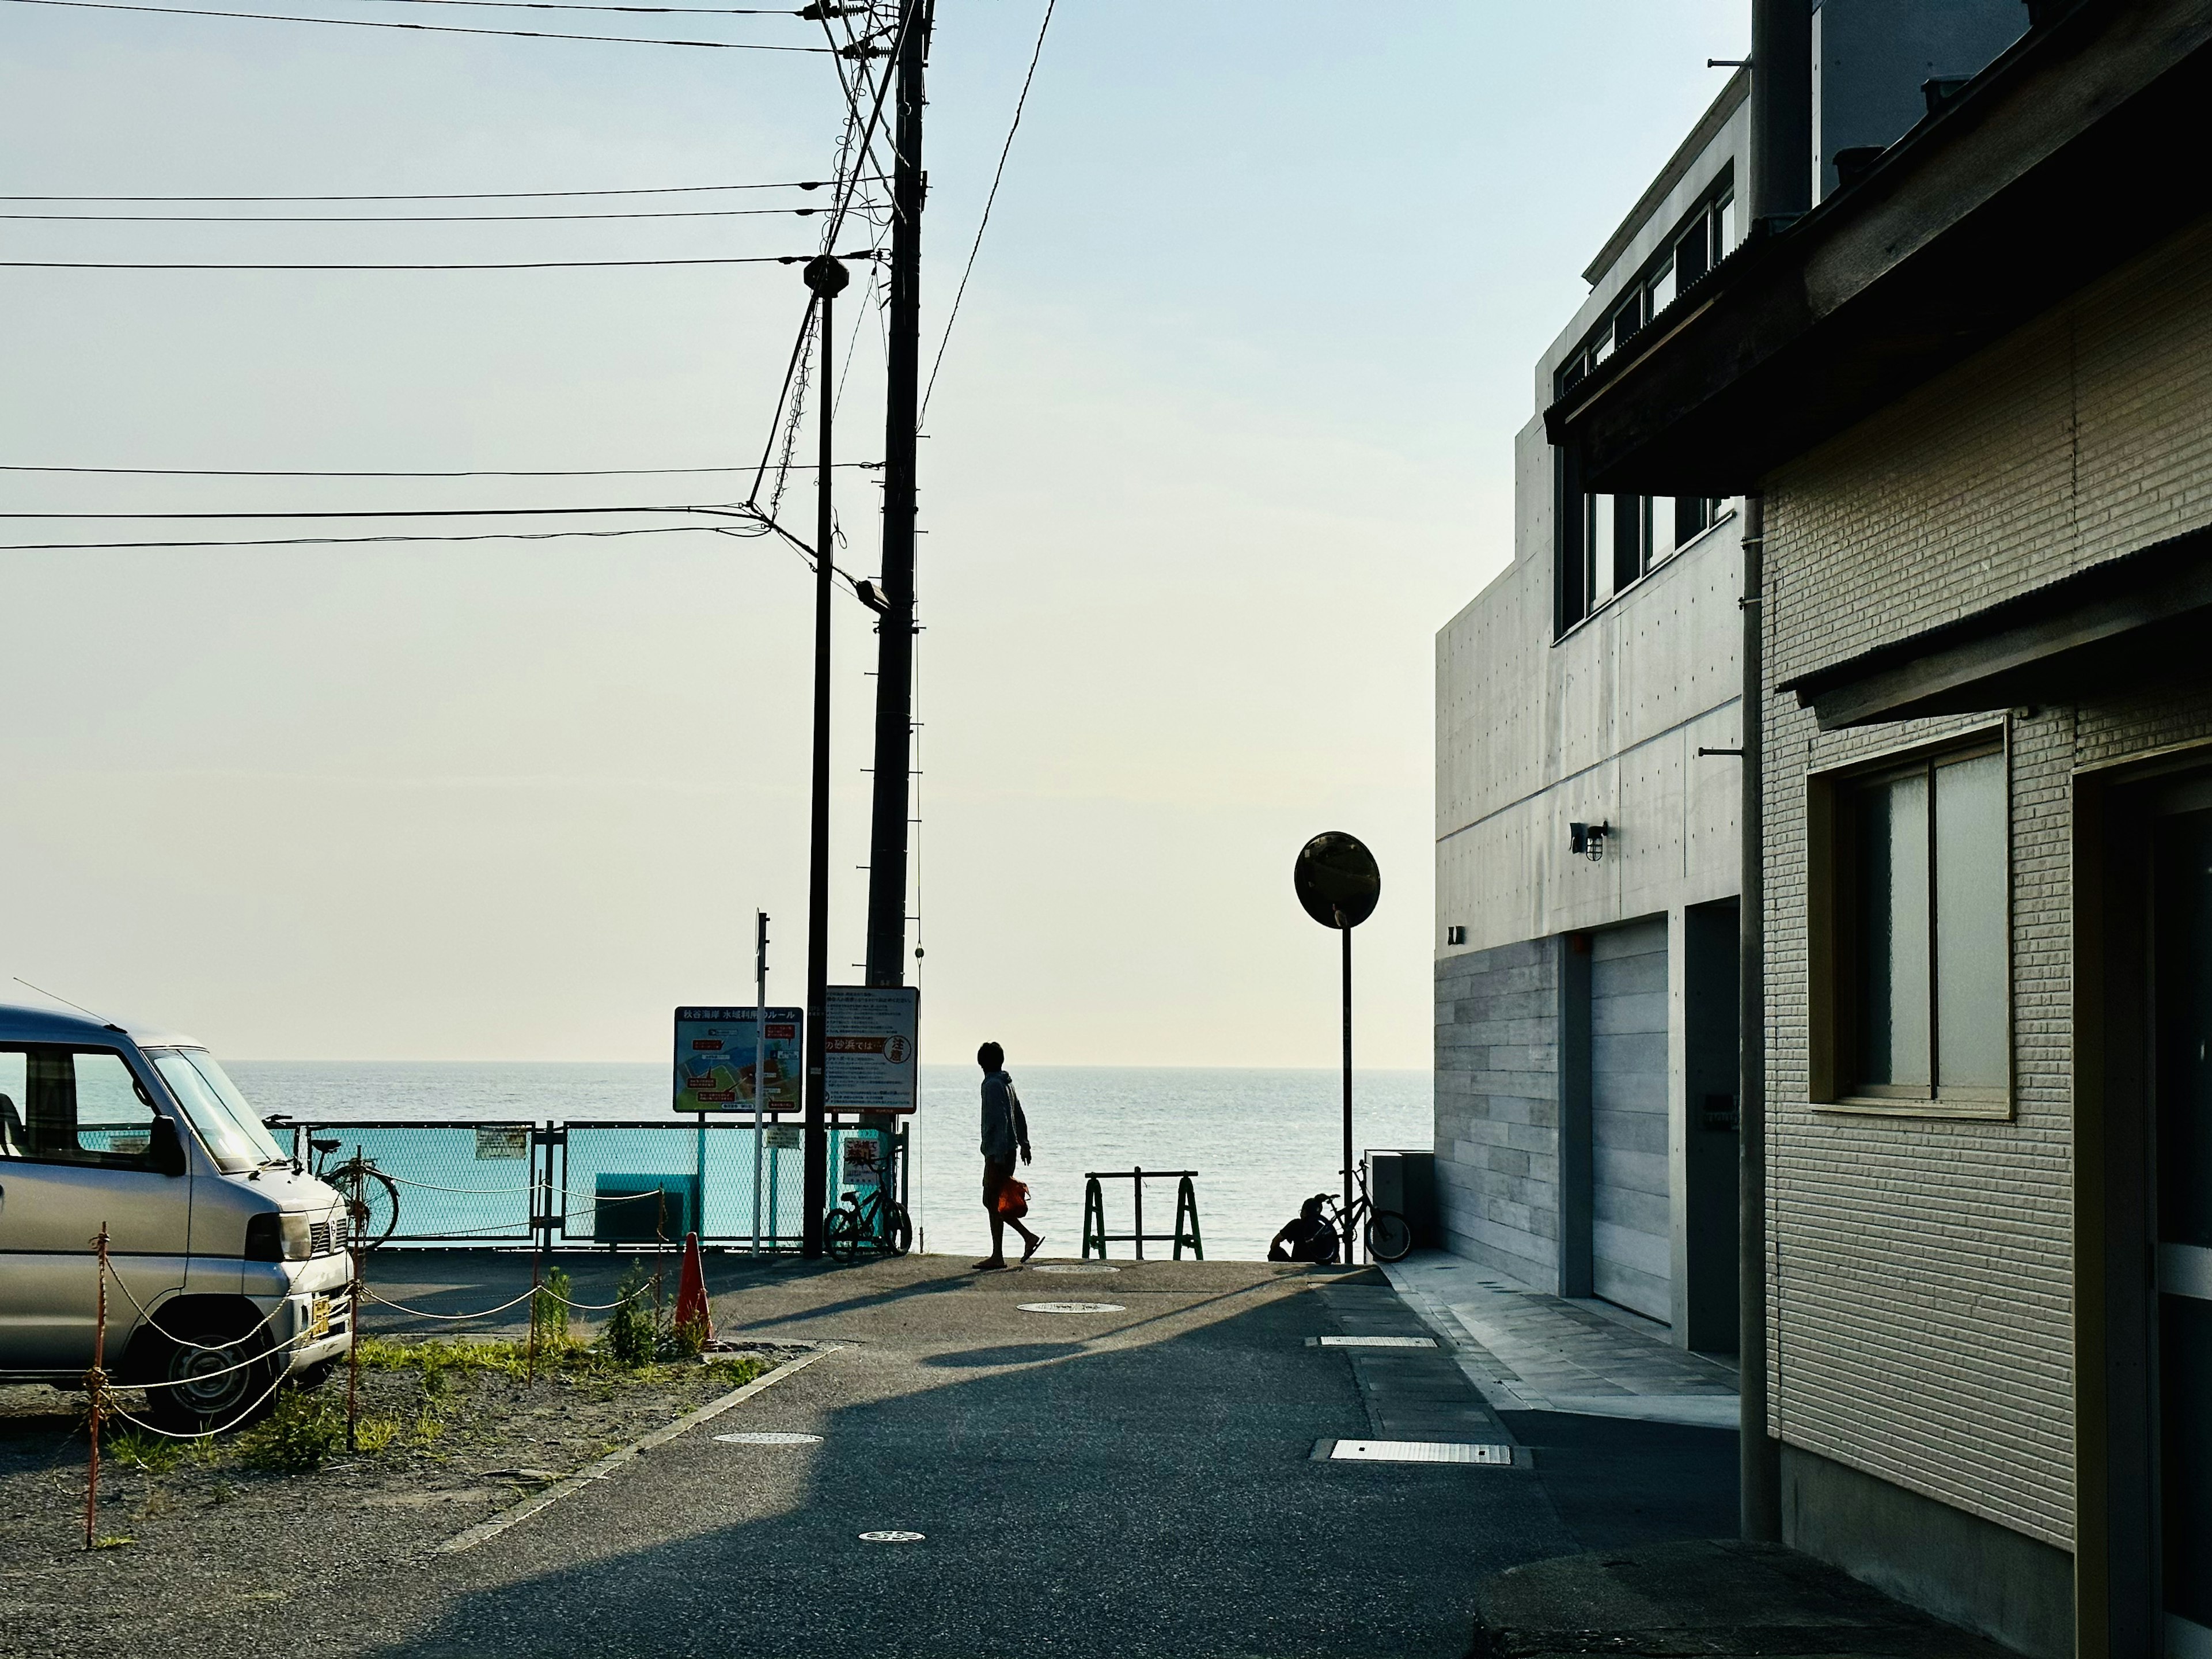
275,1237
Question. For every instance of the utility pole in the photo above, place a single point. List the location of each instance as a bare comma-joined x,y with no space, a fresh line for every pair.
894,625
827,278
1781,191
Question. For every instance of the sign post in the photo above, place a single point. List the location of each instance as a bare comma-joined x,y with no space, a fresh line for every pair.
759,1006
1337,884
729,1059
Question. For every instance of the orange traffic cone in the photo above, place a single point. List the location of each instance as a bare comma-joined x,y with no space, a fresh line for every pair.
691,1293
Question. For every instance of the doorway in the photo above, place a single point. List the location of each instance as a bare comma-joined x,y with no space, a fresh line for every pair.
2181,930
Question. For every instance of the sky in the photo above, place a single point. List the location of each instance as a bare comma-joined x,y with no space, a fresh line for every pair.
1222,437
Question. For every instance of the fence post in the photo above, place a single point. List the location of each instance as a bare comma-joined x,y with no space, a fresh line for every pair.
1094,1219
95,1381
1187,1201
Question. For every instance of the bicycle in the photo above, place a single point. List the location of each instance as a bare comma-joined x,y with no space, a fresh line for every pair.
372,1197
875,1217
1388,1236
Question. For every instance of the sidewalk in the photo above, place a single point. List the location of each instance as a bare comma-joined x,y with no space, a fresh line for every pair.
1526,1351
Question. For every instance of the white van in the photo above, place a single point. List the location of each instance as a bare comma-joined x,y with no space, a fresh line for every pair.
228,1263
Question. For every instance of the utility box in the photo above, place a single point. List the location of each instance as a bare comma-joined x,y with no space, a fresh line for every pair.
644,1209
1406,1183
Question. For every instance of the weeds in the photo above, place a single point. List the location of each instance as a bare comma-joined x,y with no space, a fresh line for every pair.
551,1307
153,1454
633,1332
300,1434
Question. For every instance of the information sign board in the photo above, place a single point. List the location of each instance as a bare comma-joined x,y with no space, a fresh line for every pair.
717,1060
870,1063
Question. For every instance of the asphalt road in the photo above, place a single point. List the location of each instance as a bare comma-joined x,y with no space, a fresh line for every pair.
1127,1483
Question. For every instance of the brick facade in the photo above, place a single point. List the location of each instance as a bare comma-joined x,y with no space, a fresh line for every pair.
1920,1269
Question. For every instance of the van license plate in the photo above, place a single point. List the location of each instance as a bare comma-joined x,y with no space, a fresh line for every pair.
318,1316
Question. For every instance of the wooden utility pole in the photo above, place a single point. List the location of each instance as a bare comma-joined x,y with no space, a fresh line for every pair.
887,841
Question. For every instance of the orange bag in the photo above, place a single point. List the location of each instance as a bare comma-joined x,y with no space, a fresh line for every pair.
1014,1200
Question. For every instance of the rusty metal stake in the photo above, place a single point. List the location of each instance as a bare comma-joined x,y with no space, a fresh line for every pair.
353,1312
95,1381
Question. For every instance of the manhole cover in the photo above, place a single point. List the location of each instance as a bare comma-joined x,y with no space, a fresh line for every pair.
890,1538
1419,1451
1072,1267
1373,1342
1072,1307
770,1437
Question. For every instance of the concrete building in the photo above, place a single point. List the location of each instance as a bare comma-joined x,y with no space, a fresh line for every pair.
1586,852
1586,857
1967,382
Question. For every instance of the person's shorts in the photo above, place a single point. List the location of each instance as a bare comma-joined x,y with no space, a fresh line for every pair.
995,1177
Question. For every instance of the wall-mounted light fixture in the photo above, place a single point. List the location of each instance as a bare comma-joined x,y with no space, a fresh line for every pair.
1588,840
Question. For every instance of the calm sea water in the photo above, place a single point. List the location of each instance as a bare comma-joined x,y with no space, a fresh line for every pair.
1261,1140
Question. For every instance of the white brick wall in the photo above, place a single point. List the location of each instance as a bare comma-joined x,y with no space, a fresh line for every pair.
1921,1269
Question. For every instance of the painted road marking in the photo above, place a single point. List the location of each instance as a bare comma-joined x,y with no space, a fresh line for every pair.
890,1538
614,1460
1073,1307
768,1437
1073,1267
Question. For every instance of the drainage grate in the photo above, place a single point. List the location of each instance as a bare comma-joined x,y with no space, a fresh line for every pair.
1371,1342
768,1437
1072,1307
1419,1451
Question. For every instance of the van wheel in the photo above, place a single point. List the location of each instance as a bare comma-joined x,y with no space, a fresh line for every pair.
211,1379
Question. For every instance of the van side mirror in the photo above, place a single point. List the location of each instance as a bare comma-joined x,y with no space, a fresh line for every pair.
164,1150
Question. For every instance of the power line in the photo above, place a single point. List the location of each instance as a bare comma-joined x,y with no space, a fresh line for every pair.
400,218
463,196
483,473
520,264
569,5
338,541
430,28
717,508
953,315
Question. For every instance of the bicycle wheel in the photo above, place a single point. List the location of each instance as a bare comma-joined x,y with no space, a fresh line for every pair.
1389,1236
898,1230
841,1235
374,1216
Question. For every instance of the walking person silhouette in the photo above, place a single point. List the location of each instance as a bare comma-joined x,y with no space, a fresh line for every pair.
1006,1132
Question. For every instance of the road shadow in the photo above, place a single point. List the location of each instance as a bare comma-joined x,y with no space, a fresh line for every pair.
1138,1495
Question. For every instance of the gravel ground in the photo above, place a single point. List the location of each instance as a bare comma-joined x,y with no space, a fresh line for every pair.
462,1447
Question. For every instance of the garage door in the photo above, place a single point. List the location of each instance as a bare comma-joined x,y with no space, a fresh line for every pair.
1631,1247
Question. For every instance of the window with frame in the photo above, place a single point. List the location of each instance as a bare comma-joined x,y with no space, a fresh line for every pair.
1606,542
59,1105
1913,896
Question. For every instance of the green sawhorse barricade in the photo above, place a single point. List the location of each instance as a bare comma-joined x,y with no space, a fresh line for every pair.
1095,1238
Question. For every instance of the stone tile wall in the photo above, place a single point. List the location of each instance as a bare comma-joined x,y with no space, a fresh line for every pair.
1497,1108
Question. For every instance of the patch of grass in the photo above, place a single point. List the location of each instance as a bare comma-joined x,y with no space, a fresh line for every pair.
551,1305
115,1543
301,1432
736,1370
633,1331
153,1454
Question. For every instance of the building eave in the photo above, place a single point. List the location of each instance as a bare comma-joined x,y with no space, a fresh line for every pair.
2057,165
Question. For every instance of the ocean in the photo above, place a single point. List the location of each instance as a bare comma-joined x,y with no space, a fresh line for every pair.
1260,1141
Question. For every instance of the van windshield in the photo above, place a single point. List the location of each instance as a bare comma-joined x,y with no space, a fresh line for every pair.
226,1125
